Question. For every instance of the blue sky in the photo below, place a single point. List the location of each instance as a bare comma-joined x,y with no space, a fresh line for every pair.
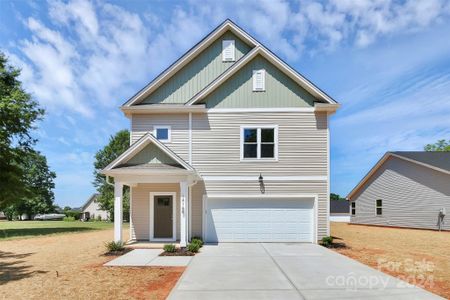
386,62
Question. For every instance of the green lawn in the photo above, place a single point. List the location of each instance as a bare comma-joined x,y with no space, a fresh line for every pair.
20,229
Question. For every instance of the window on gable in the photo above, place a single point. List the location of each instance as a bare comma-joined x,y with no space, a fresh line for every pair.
353,208
228,50
259,143
259,80
379,207
162,133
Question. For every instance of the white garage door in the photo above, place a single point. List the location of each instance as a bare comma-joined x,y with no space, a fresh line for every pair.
259,220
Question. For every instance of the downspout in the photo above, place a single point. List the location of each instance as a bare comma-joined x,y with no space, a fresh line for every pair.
107,181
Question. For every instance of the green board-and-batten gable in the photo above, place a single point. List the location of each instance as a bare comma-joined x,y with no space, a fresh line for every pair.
197,74
151,154
280,91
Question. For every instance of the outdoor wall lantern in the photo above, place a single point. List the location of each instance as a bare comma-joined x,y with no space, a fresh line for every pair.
261,184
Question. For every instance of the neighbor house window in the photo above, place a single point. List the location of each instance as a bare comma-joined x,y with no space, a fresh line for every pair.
162,133
259,80
259,142
379,207
353,208
228,50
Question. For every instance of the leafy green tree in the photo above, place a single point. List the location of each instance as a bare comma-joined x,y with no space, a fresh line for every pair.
116,146
18,114
336,197
441,145
39,181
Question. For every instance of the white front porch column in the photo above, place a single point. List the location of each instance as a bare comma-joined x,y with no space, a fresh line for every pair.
118,211
184,200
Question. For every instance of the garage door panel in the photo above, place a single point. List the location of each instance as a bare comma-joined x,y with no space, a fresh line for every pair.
254,220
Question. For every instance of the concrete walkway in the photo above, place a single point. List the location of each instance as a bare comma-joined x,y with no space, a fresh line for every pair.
148,258
285,271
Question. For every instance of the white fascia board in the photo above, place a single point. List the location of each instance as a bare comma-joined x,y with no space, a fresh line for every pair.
265,178
189,56
162,108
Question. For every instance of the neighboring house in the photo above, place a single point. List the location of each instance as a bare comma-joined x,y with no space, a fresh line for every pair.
91,210
2,216
339,211
405,189
230,144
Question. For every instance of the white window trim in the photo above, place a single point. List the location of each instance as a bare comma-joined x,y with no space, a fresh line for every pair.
258,143
169,132
233,56
377,207
263,89
174,217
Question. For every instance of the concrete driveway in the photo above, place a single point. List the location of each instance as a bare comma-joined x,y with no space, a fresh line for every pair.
285,271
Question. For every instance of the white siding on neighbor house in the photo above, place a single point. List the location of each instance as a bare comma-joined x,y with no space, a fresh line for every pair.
140,209
94,211
412,196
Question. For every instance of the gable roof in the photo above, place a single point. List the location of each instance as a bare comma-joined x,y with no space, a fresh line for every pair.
140,145
280,64
208,40
439,161
89,200
189,56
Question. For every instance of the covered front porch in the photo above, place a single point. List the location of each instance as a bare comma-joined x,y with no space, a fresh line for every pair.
160,184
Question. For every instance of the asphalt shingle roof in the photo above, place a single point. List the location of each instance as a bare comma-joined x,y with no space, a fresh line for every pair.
436,159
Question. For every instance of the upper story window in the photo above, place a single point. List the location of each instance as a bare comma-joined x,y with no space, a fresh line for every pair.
162,133
353,208
228,50
379,207
259,142
259,80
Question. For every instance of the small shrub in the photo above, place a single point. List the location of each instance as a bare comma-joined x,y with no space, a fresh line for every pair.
99,218
69,219
170,248
114,246
73,213
327,241
197,240
193,247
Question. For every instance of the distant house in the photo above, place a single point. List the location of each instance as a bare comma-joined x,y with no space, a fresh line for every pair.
339,211
405,189
2,216
91,210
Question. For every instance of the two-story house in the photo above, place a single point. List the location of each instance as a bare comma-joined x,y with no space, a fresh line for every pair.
229,143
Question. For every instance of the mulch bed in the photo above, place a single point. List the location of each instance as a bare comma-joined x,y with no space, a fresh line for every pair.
178,252
117,253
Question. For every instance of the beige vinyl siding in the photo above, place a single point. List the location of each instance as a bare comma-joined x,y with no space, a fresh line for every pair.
302,147
280,90
412,196
151,154
197,192
198,73
141,124
140,210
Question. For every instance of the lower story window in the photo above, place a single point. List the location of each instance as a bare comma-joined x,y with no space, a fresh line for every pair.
379,207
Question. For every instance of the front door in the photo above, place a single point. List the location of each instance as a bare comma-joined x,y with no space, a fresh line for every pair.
163,217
